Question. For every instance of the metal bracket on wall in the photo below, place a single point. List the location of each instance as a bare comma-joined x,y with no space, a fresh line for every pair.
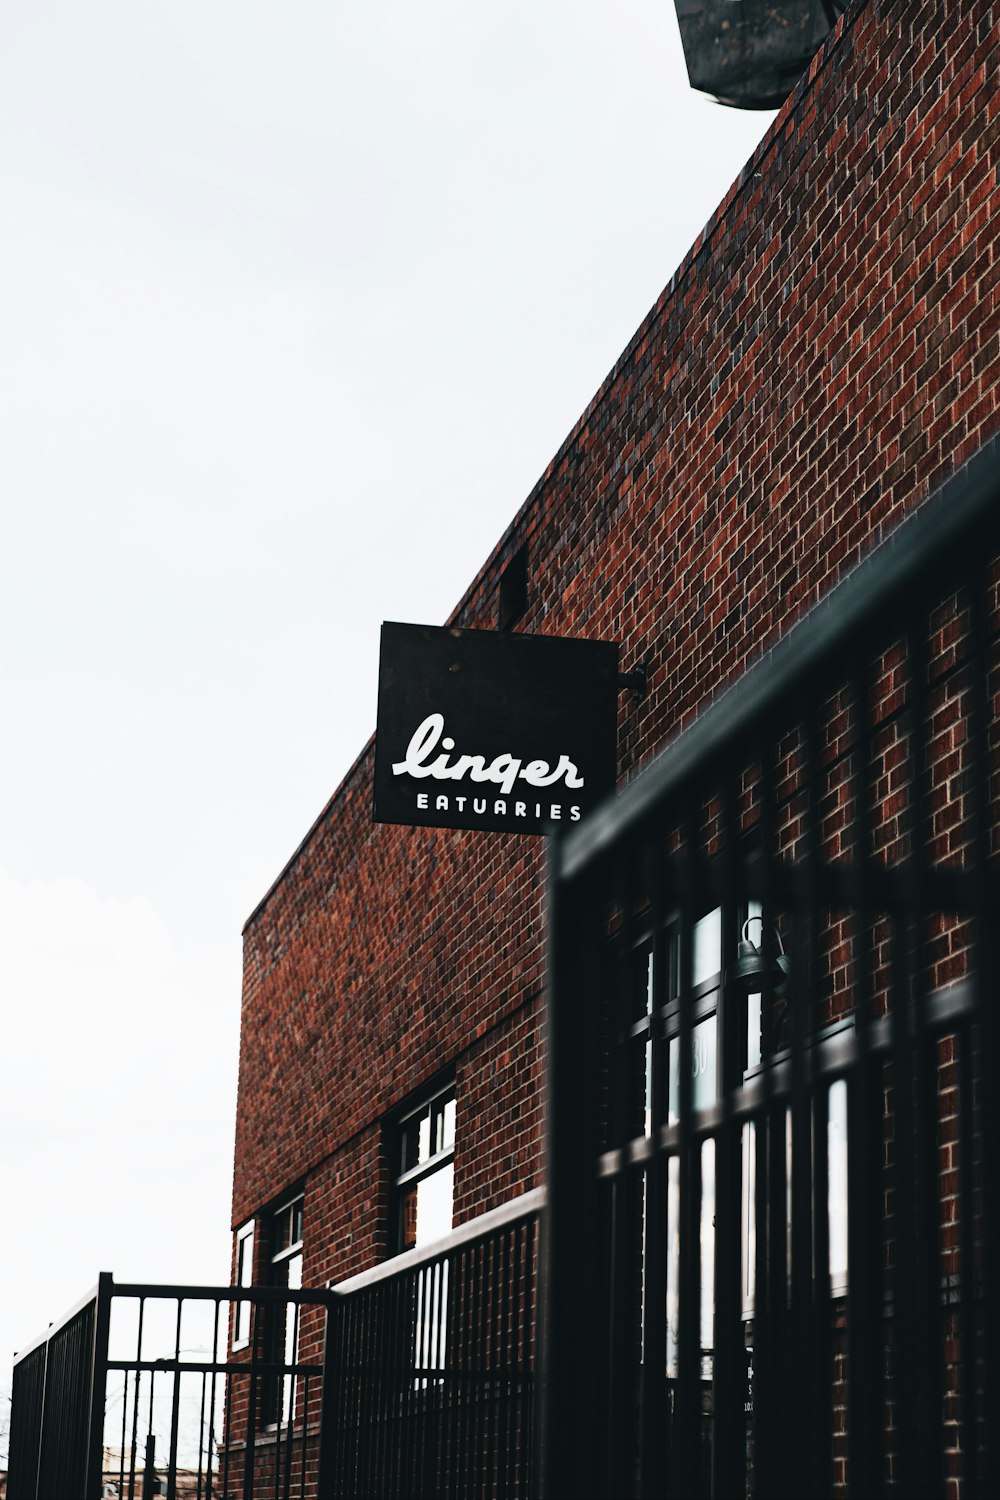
637,681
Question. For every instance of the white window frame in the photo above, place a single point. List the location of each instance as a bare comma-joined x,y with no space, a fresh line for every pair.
245,1242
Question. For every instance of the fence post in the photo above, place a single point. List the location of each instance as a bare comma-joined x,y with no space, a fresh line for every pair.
569,1326
327,1419
93,1475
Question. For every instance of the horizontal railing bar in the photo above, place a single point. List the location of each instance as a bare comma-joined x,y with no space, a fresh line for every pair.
511,1212
917,547
837,1055
207,1367
319,1296
54,1329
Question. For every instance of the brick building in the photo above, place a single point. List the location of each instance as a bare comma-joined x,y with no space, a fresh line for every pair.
824,360
824,357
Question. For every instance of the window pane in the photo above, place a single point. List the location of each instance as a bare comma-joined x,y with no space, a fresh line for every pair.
749,1214
448,1139
434,1205
706,940
427,1208
837,1182
753,1031
703,1069
287,1227
673,1262
754,909
707,1257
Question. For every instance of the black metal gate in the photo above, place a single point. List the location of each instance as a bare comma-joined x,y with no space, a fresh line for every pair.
773,1239
146,1390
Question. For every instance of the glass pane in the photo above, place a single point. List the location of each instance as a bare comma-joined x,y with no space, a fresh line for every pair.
703,1058
244,1269
673,1262
649,1088
703,1069
754,909
433,1214
424,1137
673,1082
749,1215
448,1131
707,1256
706,939
837,1182
753,1031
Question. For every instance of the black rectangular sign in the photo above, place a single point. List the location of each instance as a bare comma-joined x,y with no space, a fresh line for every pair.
513,733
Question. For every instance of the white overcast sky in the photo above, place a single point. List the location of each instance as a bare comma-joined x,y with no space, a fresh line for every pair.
296,303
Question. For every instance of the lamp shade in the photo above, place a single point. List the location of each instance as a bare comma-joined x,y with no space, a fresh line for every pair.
751,971
751,53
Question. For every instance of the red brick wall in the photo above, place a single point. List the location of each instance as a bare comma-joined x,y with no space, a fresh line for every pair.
824,357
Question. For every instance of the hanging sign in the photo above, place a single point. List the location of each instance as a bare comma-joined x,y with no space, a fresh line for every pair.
476,729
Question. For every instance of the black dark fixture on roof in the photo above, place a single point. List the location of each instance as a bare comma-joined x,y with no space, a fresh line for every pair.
751,53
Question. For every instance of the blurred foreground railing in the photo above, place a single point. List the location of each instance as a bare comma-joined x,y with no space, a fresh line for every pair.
774,1124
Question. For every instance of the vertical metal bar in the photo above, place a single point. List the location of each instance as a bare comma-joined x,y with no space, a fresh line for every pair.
917,1314
329,1403
967,1360
506,1309
729,1380
622,1280
468,1356
686,1444
292,1399
98,1383
770,1290
227,1431
533,1252
797,1450
376,1402
568,1383
304,1449
986,1028
210,1472
261,1331
175,1408
201,1432
405,1347
813,1324
135,1405
121,1456
865,1146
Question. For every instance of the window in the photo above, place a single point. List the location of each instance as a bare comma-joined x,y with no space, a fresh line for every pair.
423,1179
244,1278
733,1036
285,1257
513,590
422,1142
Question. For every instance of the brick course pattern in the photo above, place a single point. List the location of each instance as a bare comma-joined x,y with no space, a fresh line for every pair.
825,356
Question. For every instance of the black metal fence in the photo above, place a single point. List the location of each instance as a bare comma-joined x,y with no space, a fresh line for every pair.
431,1368
149,1390
773,1248
57,1405
414,1380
